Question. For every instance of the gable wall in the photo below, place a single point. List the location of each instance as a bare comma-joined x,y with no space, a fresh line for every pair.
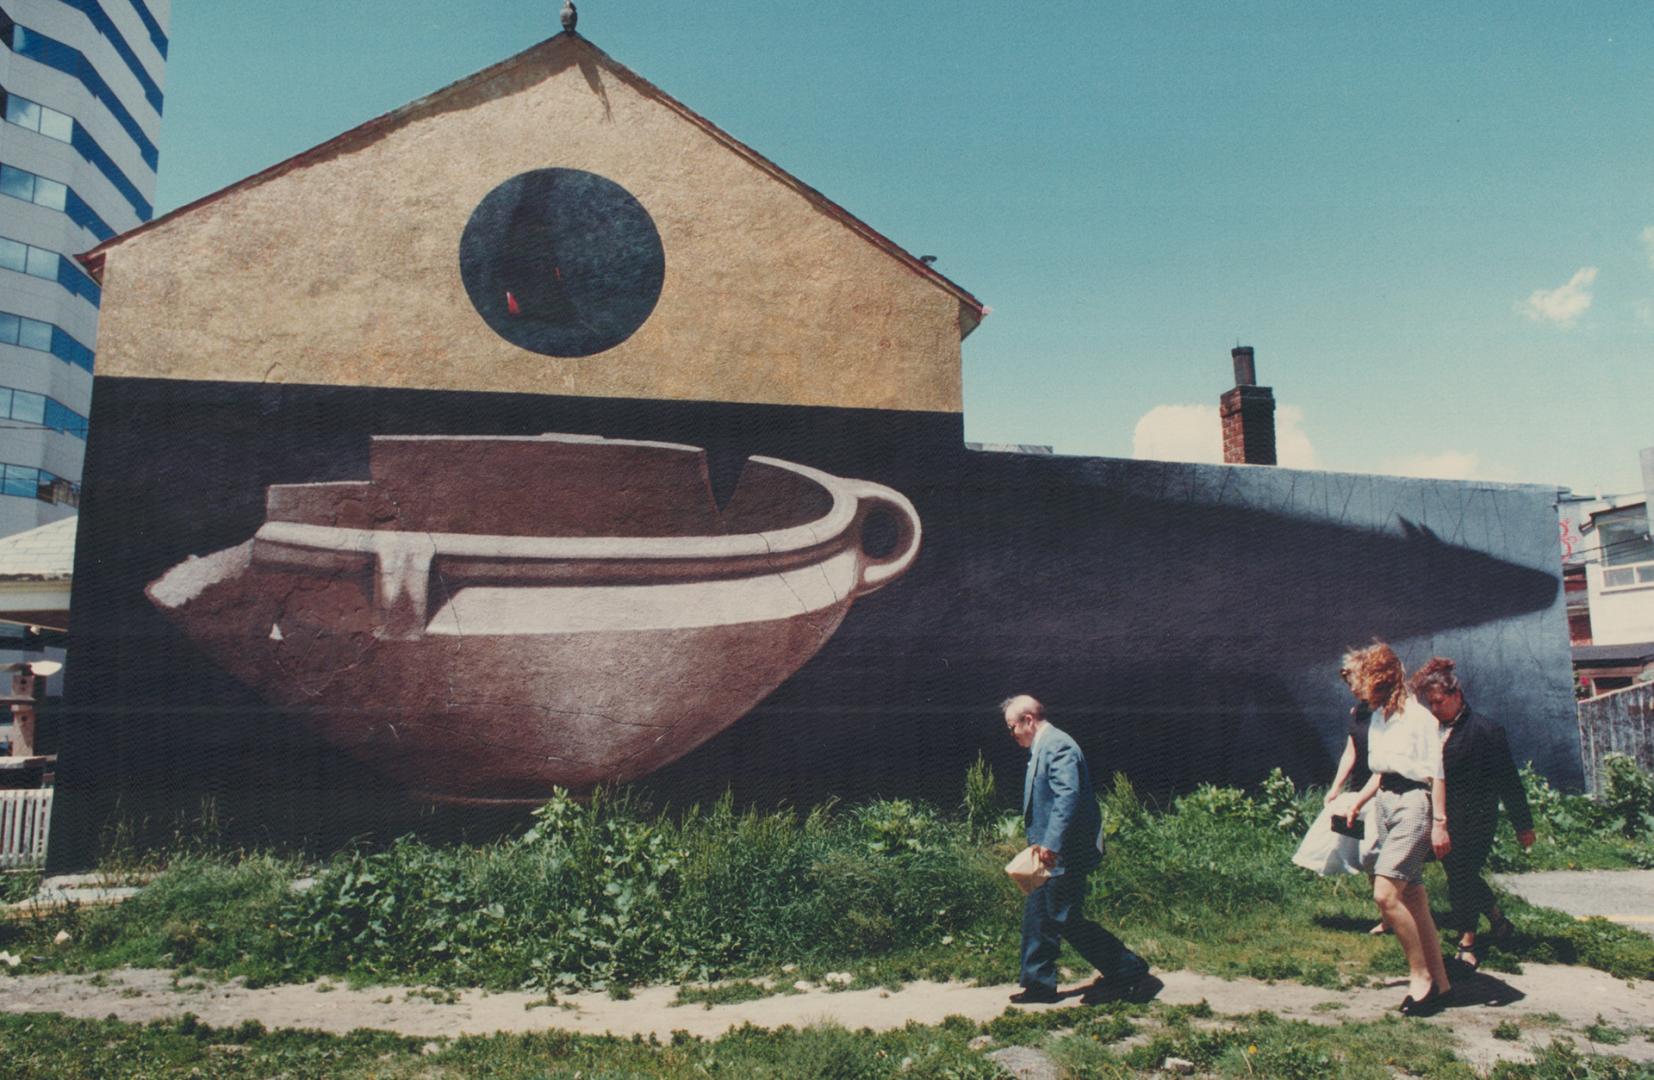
345,271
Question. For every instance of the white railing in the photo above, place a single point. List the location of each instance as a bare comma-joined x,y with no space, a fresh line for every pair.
25,818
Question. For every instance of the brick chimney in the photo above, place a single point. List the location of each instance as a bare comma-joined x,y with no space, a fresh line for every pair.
1248,413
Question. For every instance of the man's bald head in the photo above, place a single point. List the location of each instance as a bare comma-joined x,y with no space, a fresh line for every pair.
1021,703
1023,717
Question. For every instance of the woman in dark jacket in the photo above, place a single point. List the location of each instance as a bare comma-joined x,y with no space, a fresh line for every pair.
1480,775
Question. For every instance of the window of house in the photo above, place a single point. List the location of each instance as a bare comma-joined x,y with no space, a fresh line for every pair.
1627,549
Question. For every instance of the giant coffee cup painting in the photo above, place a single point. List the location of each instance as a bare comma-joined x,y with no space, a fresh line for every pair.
541,434
589,620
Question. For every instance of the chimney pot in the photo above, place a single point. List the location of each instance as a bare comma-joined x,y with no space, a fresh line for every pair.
1246,369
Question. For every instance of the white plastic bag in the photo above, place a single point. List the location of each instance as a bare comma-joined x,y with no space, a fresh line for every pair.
1328,852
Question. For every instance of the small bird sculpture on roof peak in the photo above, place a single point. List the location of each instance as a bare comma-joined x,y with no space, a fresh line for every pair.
570,15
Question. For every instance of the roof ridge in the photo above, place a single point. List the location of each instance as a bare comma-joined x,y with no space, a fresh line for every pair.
387,122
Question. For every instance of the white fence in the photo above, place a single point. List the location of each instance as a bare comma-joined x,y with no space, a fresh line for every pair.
25,818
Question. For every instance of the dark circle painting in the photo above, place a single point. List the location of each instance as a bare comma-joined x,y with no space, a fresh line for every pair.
562,262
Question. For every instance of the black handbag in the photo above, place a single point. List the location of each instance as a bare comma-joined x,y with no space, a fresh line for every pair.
1341,825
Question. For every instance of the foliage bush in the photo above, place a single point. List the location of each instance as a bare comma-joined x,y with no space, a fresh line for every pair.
602,894
1576,830
1628,795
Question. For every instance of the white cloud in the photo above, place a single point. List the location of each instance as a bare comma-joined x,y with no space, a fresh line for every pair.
1179,433
1445,465
1195,433
1563,305
1292,445
1648,243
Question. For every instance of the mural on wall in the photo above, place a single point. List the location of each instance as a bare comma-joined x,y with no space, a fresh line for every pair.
371,595
485,618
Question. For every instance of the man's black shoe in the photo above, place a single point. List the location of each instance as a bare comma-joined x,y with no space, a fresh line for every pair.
1137,988
1035,995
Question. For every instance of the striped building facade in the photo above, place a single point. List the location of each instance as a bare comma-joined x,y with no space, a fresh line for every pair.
80,83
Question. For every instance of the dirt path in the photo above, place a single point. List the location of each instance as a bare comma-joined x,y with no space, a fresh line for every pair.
1544,1001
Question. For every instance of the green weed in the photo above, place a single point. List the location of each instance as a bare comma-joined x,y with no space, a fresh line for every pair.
1561,1060
724,993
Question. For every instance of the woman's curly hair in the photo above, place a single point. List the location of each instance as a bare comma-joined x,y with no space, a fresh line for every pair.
1435,677
1375,676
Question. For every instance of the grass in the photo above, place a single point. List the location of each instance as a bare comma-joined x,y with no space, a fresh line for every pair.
608,895
18,885
1108,1041
728,993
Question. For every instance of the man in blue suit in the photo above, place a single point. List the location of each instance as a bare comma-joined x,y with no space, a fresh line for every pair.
1064,826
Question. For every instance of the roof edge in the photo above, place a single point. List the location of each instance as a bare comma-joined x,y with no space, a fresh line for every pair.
972,310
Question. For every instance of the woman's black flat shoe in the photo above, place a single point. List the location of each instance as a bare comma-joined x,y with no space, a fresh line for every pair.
1428,1005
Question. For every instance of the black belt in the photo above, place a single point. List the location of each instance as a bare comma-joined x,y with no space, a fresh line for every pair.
1400,785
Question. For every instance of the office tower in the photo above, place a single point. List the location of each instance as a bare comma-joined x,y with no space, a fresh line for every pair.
81,86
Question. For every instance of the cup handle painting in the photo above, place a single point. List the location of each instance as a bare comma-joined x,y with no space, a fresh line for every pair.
879,571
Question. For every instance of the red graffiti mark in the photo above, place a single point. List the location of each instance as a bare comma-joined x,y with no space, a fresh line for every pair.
1567,539
511,304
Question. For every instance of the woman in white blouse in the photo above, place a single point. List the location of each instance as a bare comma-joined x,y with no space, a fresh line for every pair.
1404,753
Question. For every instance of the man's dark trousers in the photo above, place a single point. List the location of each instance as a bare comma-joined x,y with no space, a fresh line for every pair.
1056,910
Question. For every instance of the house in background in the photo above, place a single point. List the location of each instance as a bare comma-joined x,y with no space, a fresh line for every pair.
1608,578
36,568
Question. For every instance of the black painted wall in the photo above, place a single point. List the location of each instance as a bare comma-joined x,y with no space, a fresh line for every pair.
1183,621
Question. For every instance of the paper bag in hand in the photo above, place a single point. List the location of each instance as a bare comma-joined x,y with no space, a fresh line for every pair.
1027,871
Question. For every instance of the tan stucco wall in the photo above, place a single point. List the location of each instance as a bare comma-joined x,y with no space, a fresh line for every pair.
344,269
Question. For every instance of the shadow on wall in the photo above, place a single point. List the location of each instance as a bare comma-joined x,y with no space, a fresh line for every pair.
1169,636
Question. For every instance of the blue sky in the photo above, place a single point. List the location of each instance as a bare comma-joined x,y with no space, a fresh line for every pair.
1434,222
